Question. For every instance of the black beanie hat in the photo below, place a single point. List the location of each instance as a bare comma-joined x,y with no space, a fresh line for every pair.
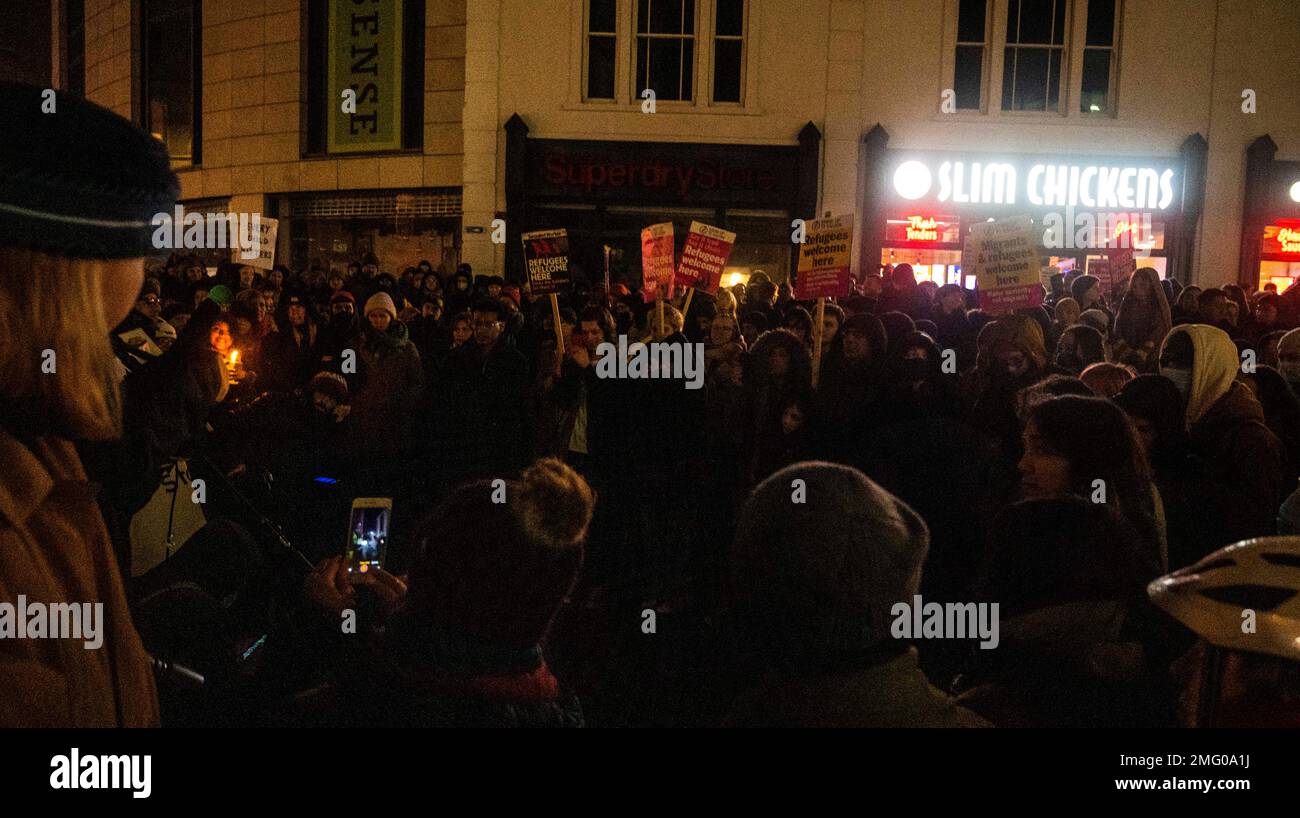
80,182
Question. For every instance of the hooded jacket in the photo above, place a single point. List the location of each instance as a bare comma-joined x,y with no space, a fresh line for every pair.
1142,325
1239,461
767,395
815,586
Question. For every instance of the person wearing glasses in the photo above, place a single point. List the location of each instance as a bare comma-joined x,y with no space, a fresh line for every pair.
135,338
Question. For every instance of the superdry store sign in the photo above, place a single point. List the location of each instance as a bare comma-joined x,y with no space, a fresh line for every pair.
666,172
1033,184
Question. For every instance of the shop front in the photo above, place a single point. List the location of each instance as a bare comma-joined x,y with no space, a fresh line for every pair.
1270,230
918,206
604,192
401,227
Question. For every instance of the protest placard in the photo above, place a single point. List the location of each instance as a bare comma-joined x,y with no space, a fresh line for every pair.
267,232
704,257
824,259
657,262
546,257
1003,257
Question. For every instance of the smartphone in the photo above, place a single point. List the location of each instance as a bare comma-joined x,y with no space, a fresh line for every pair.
367,540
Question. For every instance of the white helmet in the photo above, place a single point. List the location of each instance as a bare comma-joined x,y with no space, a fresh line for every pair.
1212,596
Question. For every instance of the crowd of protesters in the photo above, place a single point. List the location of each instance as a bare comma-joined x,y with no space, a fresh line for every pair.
568,548
1055,460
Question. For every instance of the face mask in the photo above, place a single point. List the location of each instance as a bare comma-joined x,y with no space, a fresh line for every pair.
1181,377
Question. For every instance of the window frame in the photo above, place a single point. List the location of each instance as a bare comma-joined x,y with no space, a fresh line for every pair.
72,61
1065,79
990,10
693,37
196,52
1111,111
587,34
627,97
714,37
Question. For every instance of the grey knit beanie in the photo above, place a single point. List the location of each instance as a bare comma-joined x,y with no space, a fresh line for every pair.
816,580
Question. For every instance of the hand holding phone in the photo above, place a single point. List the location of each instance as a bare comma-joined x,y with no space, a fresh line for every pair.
367,537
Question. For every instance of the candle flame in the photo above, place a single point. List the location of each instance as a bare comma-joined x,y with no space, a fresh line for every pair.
234,357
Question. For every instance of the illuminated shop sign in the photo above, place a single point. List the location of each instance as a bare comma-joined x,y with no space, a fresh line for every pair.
919,228
1041,184
1282,238
913,228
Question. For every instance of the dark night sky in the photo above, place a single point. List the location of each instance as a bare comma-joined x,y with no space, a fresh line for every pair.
25,41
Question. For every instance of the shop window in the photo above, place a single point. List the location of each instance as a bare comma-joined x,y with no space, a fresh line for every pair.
665,49
1099,54
972,40
171,65
74,47
602,48
1032,60
729,50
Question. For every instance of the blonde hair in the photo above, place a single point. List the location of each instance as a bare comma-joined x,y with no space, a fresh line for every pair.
1106,379
554,503
52,303
725,303
673,322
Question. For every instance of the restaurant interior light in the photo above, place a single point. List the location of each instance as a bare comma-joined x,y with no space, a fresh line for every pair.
1295,192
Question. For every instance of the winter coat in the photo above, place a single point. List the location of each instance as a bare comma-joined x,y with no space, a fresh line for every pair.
54,549
288,362
392,381
1067,665
891,693
489,393
1239,480
767,395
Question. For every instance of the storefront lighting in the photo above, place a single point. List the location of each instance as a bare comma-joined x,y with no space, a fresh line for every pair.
1295,192
912,179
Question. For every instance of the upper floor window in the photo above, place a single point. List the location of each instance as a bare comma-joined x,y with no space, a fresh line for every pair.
74,47
729,50
1099,53
665,48
972,40
171,62
602,48
689,51
1031,68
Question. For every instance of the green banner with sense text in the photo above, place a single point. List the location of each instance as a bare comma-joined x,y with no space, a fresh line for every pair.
365,75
